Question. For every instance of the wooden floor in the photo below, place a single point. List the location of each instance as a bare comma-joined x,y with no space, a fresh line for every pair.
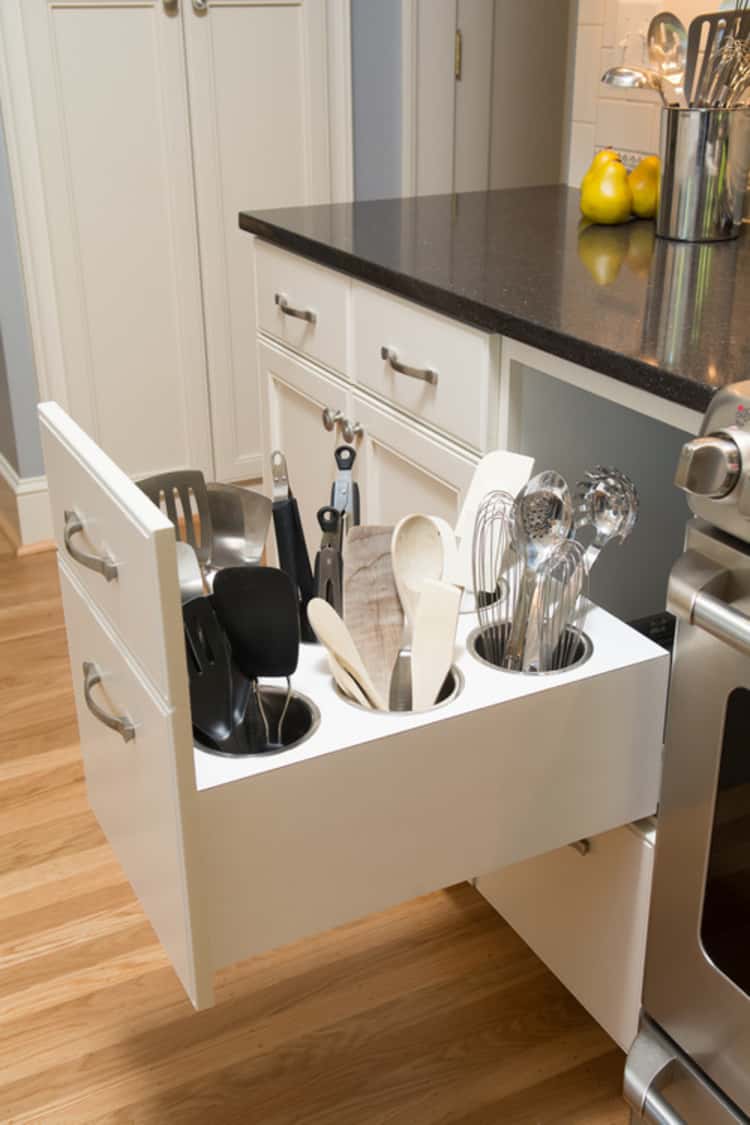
432,1013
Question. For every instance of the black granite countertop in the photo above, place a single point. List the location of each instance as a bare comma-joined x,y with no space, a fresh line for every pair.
671,318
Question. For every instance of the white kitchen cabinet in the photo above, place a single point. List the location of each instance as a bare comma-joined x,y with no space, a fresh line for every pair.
295,398
404,468
156,122
584,912
232,856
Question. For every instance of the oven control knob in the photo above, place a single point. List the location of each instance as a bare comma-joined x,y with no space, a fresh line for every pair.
708,466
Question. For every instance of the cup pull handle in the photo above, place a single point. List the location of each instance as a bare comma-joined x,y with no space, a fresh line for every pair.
119,723
426,374
289,310
102,564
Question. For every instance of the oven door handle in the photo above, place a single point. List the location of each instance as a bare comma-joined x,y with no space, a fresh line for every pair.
729,625
658,1111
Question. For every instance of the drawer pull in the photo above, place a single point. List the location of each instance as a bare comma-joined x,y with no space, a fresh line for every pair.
331,418
120,723
289,310
426,374
102,564
350,430
583,847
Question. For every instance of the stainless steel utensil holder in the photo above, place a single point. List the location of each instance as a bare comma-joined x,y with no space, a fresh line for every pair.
705,159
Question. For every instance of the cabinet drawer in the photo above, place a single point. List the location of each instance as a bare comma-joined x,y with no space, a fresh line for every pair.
305,288
586,916
122,532
460,403
144,804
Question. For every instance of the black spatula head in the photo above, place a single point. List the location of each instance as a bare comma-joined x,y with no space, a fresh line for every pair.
258,608
218,693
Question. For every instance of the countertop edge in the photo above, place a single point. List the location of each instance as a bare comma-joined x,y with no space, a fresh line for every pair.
654,380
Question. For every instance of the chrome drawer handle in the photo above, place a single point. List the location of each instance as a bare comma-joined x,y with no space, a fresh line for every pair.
120,723
426,374
289,310
102,564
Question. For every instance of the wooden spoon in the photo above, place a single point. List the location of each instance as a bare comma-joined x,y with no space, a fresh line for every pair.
333,633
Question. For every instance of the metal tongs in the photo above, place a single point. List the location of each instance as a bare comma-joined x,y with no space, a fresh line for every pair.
328,563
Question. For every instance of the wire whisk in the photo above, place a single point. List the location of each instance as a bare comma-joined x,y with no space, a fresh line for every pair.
560,608
496,572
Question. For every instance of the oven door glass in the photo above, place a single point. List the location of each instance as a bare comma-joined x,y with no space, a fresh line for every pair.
725,923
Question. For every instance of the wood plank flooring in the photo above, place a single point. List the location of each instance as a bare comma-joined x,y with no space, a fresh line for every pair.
433,1013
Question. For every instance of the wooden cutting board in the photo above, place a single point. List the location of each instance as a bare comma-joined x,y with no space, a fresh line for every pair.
372,610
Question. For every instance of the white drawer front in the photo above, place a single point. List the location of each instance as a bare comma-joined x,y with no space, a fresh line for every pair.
586,916
285,279
458,356
139,595
374,809
133,784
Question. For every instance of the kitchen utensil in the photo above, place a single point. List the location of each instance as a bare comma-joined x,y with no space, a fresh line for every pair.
417,553
183,497
543,518
496,571
607,501
560,608
716,26
345,490
372,610
257,606
667,46
188,573
219,694
328,562
333,633
640,78
290,540
498,470
346,682
434,640
239,520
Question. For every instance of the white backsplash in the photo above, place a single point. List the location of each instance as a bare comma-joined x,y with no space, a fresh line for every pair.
611,32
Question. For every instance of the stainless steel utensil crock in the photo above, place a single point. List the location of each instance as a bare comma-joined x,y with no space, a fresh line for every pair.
705,157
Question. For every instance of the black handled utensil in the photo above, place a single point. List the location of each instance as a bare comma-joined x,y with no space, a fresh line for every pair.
328,563
290,540
258,609
219,694
345,490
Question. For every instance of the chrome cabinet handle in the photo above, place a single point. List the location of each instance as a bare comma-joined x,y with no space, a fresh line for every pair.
170,5
288,310
350,430
331,418
102,564
120,723
426,374
200,5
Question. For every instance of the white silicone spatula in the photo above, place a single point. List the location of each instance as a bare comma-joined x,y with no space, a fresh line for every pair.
333,633
434,640
498,470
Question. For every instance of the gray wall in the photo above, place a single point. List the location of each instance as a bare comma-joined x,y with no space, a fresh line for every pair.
19,433
376,96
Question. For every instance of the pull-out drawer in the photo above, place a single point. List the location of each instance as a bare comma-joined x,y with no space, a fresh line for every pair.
370,808
425,363
130,742
303,304
584,911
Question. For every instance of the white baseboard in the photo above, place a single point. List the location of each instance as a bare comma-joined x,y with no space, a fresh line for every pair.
24,506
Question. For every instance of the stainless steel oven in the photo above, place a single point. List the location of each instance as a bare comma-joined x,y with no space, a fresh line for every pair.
691,1060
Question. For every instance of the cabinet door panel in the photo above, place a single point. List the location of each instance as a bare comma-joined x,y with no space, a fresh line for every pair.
295,397
257,81
110,99
406,470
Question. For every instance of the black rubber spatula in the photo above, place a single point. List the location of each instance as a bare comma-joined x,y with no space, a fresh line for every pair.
219,694
258,608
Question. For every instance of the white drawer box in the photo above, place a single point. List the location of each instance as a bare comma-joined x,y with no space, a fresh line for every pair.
371,809
461,402
287,280
586,916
